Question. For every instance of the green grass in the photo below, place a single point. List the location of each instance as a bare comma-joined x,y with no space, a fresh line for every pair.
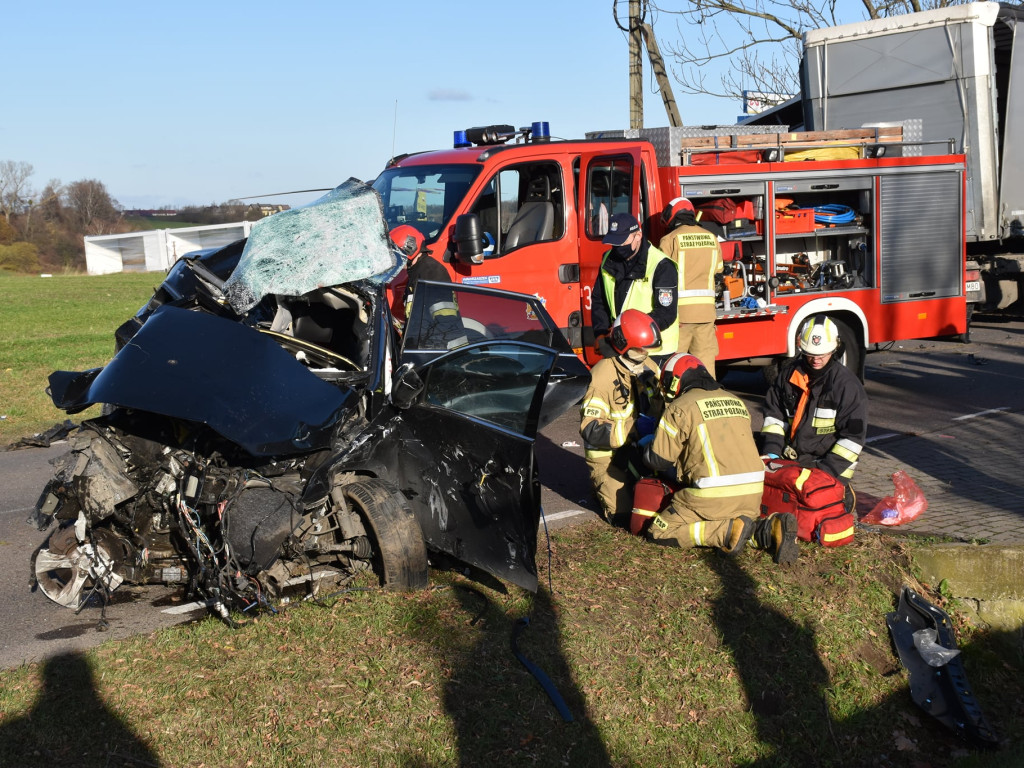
64,322
664,657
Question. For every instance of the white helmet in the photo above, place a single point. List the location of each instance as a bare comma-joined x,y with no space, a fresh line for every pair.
818,336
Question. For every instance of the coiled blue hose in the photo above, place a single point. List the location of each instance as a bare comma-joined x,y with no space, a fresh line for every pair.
834,214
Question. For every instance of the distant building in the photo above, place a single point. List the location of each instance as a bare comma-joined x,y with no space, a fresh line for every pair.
144,213
157,249
267,209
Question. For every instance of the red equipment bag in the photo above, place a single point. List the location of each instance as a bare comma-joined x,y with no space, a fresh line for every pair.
722,210
814,496
650,496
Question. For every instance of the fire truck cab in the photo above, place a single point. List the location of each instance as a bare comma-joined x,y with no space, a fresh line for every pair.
860,228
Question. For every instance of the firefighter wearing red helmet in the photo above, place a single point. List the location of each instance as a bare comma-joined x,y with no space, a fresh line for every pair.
443,308
704,436
409,242
698,256
620,406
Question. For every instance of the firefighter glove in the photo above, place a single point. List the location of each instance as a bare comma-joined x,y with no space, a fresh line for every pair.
645,426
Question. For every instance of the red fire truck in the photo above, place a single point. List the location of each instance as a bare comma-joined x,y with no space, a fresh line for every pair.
852,224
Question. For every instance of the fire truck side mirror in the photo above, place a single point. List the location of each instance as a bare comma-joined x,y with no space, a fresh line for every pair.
469,244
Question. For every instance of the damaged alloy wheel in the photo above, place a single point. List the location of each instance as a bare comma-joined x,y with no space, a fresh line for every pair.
67,570
400,554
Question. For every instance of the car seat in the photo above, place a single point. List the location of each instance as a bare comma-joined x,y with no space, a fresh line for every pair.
535,220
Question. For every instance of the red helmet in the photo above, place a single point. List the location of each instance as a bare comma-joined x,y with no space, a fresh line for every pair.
634,329
674,208
673,370
407,239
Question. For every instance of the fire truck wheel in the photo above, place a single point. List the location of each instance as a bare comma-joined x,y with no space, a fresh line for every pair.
852,355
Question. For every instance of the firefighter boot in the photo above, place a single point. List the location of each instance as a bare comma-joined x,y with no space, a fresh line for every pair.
777,534
740,531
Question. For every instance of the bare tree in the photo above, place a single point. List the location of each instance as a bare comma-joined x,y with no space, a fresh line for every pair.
14,189
96,212
758,41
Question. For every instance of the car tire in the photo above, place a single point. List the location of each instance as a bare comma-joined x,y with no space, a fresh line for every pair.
400,554
853,352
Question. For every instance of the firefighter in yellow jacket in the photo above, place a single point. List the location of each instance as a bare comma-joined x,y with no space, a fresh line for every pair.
621,405
698,256
705,436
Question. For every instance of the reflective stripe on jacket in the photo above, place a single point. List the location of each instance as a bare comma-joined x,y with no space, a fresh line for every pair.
822,421
707,435
698,257
612,403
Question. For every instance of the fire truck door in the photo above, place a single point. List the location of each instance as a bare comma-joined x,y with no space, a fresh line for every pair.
524,212
609,183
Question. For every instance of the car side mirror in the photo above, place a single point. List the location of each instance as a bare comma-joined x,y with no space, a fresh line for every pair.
468,238
405,387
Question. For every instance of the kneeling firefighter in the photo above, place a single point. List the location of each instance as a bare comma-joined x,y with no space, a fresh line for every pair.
816,412
620,406
704,435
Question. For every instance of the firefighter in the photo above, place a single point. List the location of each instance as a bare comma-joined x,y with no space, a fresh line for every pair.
444,312
634,275
698,256
816,412
704,435
620,407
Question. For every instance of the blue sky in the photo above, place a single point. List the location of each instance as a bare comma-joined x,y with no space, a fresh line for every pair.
193,103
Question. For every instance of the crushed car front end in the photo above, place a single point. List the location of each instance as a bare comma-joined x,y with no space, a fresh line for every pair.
269,427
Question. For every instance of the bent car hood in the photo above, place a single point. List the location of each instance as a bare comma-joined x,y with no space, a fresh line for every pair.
203,368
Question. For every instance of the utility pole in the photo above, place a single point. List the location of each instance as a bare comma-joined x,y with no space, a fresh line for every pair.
636,69
640,33
658,68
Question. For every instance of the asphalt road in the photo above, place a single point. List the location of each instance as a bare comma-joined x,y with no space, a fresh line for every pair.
913,386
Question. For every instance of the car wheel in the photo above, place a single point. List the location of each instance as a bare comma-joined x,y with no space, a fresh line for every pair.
400,554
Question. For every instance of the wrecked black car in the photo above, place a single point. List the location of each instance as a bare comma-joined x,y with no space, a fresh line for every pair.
269,427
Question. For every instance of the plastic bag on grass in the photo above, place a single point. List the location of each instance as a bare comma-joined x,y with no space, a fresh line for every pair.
906,503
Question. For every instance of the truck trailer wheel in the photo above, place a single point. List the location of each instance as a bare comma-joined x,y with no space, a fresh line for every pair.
400,554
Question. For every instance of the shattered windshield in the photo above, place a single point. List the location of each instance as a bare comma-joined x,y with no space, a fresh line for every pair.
424,196
338,238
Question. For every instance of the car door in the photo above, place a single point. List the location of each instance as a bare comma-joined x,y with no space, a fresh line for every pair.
474,422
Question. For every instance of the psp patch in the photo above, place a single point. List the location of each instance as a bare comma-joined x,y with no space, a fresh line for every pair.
665,297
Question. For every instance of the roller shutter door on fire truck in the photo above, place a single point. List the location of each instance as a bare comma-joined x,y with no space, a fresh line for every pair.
920,237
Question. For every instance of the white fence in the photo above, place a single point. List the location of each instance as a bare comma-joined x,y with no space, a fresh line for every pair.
155,250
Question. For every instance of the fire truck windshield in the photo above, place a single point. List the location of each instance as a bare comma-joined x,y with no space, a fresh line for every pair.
424,196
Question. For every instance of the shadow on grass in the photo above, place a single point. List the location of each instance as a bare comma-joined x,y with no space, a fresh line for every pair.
787,686
52,733
779,667
500,713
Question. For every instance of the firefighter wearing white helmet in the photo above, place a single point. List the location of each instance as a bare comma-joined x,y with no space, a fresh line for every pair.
705,438
816,412
698,256
620,407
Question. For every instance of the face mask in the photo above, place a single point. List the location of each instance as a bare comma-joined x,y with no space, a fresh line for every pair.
623,252
636,355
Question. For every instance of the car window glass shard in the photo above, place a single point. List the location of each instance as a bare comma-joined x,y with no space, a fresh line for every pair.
338,238
497,383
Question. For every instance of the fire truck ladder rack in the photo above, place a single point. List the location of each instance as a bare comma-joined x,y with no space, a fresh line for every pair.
847,144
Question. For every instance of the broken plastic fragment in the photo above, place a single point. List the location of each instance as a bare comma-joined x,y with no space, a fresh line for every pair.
936,655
